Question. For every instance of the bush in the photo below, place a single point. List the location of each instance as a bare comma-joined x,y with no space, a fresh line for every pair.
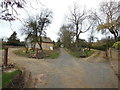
103,44
15,43
99,46
116,45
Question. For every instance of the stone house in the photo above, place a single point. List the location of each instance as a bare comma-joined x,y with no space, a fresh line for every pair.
47,44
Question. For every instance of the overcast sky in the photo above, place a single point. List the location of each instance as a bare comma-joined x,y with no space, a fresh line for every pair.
60,9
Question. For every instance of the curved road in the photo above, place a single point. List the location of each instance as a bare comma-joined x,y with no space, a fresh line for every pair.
67,72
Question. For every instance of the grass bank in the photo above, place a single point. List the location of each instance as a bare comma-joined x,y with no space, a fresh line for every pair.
52,54
7,78
80,54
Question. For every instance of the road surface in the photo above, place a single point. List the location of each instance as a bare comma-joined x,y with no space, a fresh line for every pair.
67,72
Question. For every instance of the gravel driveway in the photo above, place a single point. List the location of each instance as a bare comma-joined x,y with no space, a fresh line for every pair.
67,72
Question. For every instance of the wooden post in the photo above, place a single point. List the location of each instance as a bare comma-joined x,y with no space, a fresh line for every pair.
6,56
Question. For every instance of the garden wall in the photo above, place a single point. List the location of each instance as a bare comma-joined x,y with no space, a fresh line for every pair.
113,54
114,58
27,78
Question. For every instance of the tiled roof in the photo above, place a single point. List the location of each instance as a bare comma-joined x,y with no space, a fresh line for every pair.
46,39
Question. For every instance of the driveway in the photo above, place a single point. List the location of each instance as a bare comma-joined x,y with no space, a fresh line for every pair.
67,72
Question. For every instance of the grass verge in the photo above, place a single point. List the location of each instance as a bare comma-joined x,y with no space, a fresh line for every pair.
52,54
80,54
7,78
1,48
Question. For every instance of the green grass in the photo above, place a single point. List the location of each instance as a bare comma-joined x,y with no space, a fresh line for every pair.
90,52
8,77
73,53
52,54
1,48
80,54
21,52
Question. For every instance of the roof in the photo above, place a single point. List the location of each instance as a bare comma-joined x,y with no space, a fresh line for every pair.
46,39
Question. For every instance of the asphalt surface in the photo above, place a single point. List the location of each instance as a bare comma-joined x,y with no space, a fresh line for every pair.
67,72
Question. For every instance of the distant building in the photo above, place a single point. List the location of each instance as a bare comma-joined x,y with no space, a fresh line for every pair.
47,44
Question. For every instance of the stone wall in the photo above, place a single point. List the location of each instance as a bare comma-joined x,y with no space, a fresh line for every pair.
113,54
45,46
29,82
114,58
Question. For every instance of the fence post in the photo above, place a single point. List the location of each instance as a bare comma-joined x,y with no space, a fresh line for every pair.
6,56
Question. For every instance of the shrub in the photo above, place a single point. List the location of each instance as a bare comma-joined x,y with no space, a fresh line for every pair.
103,44
116,45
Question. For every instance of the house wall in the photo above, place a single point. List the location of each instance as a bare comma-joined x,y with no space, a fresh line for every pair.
37,45
28,44
45,46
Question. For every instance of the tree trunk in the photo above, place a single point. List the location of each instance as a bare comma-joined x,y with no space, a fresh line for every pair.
34,47
116,38
115,33
26,47
39,41
90,46
77,35
40,45
26,50
77,41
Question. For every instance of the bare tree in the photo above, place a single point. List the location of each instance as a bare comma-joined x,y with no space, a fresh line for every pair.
92,20
66,35
78,18
35,27
8,9
91,38
109,14
30,29
44,20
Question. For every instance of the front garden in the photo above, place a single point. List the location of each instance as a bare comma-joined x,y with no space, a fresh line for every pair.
51,54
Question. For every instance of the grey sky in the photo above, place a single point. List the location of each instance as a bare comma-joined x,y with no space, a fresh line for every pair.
60,9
